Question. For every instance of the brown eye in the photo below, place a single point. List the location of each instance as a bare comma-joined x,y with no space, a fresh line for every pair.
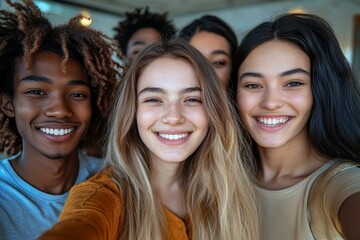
35,92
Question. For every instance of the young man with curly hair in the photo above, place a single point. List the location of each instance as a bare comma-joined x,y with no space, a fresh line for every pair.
56,86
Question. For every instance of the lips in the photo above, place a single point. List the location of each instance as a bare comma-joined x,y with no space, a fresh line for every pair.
57,131
173,136
273,122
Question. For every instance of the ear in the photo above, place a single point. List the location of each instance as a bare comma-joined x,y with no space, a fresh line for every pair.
6,105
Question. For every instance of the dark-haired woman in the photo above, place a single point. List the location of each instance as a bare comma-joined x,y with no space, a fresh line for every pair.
216,40
299,102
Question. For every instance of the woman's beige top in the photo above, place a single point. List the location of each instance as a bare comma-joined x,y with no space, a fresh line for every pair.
284,213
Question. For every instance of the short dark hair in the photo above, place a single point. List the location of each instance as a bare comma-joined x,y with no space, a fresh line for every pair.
212,24
143,18
334,125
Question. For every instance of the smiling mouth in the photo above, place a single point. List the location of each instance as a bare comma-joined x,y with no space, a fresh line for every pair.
56,131
272,122
173,136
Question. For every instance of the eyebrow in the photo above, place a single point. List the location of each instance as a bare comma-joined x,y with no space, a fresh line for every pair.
295,71
38,78
138,43
222,52
78,82
161,90
286,73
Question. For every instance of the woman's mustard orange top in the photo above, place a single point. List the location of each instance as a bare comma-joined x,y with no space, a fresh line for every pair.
92,211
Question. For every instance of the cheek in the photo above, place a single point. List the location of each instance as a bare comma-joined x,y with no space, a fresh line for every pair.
84,110
144,118
307,107
26,111
24,114
303,102
245,105
244,102
204,123
199,118
223,75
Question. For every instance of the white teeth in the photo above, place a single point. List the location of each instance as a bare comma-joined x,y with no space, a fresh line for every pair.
56,132
273,122
173,136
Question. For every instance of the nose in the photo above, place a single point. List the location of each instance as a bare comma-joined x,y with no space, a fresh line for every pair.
272,99
58,107
173,114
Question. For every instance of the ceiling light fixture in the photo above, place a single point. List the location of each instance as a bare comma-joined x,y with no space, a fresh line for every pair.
85,19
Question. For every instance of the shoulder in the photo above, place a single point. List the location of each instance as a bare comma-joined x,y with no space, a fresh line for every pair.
6,170
4,164
341,176
92,210
100,181
337,183
334,169
89,165
343,180
342,171
99,190
8,159
331,188
90,160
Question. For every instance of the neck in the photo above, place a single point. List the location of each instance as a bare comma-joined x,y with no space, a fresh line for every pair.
54,176
288,164
168,189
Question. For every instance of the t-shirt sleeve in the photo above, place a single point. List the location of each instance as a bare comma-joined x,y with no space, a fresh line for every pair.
92,211
339,189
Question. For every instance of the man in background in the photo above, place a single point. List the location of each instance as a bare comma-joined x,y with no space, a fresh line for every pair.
141,28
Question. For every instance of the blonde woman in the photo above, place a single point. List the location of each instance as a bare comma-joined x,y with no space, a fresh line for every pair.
177,166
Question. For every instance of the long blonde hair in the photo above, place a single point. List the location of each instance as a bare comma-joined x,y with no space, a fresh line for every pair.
218,190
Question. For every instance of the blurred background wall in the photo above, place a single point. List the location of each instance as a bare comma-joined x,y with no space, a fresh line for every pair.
242,15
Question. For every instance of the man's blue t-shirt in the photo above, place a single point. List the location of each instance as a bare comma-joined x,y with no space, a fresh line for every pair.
26,212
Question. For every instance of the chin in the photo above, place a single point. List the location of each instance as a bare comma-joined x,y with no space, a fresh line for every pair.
271,145
55,155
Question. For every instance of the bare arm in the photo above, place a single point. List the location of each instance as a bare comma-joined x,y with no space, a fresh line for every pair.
349,216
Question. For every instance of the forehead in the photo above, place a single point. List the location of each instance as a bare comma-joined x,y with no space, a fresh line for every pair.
207,42
168,72
48,64
145,35
275,56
